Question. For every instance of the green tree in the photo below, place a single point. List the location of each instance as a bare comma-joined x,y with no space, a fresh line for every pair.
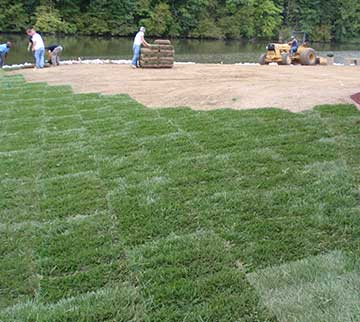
347,26
207,28
268,18
237,19
48,19
161,21
109,17
324,20
13,16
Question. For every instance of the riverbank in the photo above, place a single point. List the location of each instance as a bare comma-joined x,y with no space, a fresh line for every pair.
211,86
199,51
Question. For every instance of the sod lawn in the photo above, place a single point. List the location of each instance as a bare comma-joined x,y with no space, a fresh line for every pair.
110,211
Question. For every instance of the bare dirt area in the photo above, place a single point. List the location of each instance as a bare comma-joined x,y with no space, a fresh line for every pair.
211,86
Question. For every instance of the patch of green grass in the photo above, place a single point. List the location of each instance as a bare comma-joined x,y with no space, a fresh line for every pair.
71,195
110,211
19,164
90,263
119,303
19,200
18,275
15,142
67,159
193,277
326,285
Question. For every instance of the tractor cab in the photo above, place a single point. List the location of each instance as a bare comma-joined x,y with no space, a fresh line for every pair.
301,36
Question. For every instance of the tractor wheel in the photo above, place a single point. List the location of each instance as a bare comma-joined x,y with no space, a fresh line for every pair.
285,59
308,57
262,59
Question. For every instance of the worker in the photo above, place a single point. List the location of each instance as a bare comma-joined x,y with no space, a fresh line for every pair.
53,53
4,50
138,41
38,47
293,43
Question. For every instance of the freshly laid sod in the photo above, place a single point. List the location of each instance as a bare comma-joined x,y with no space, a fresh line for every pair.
326,285
110,211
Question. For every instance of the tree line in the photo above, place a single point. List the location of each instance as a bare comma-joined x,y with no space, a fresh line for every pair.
324,20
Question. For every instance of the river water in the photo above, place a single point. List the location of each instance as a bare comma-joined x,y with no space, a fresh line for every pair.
199,51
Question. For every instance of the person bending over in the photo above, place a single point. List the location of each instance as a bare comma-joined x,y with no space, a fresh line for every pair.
53,53
4,50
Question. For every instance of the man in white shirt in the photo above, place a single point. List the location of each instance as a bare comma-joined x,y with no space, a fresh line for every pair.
138,41
38,47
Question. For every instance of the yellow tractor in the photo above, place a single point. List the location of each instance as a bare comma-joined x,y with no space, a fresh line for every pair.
280,53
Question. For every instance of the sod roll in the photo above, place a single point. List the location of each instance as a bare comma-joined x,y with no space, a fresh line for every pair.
157,66
162,42
166,47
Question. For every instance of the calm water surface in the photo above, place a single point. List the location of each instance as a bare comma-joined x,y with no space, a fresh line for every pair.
199,51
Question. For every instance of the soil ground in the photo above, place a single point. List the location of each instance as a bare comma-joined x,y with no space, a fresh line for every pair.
211,86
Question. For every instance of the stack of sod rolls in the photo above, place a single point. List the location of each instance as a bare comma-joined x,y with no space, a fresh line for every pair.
158,55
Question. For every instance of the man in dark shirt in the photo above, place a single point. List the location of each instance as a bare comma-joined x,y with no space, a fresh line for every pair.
54,52
30,43
293,45
30,46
